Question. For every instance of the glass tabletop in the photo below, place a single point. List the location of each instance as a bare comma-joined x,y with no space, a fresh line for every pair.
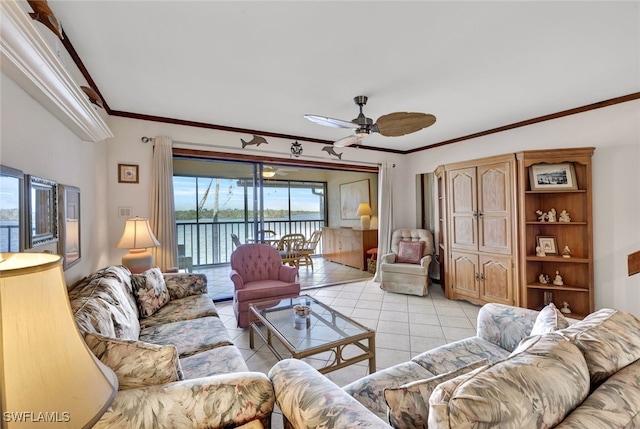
322,326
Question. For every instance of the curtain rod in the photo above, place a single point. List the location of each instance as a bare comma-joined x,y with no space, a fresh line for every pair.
145,139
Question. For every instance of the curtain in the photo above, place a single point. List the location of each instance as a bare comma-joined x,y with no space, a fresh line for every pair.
163,214
385,212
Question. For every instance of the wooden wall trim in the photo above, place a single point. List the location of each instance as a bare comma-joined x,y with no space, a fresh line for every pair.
206,154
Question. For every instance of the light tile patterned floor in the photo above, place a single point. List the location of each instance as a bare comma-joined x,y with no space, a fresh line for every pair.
405,326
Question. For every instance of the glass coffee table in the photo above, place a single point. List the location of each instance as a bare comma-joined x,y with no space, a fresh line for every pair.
321,330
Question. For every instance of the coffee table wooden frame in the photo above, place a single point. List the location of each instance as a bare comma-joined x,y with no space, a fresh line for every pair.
337,347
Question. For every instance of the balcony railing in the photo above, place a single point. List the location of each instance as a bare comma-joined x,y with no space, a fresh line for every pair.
209,243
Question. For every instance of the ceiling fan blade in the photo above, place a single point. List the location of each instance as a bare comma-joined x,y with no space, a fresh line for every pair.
348,141
400,123
331,122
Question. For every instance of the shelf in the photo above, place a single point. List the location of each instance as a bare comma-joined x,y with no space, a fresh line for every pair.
557,259
555,223
558,288
563,191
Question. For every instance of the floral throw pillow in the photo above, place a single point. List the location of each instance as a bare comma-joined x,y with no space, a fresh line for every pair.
409,403
410,252
549,319
136,363
151,291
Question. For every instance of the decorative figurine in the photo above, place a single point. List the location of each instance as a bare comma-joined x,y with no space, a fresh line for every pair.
540,252
551,216
558,279
543,279
564,216
542,216
566,252
565,308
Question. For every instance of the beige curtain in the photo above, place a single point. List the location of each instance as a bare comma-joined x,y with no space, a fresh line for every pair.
385,212
163,214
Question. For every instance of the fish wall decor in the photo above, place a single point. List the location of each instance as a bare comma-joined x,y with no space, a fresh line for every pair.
255,141
42,13
331,151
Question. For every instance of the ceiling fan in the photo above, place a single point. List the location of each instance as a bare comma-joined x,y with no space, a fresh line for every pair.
390,125
270,171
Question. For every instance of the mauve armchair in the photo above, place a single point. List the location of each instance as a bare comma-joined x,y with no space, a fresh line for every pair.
258,274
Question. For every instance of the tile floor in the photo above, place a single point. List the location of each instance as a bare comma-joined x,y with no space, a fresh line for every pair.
405,326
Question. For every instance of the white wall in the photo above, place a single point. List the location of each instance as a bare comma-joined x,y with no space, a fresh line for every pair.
615,133
37,143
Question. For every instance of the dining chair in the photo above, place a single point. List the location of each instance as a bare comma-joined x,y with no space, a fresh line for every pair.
308,248
289,247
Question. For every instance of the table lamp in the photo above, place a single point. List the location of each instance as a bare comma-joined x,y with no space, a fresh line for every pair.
49,376
137,236
364,211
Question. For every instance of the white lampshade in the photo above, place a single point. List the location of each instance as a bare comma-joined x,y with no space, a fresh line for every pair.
364,211
49,377
137,236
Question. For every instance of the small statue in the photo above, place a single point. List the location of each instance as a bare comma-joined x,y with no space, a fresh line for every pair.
540,252
566,252
558,279
543,279
551,216
565,308
564,216
542,216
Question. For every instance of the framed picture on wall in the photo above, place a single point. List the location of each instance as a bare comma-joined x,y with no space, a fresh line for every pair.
69,222
351,195
128,173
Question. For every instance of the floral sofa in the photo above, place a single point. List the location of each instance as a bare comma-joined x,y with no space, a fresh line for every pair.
523,369
175,362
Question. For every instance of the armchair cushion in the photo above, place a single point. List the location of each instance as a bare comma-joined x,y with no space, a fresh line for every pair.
151,291
136,363
410,252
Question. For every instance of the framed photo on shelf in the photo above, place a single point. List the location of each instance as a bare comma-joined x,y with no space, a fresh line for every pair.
128,173
553,177
548,244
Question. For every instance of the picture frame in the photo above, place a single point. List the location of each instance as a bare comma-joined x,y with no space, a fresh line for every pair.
548,244
554,177
128,173
351,195
42,211
69,244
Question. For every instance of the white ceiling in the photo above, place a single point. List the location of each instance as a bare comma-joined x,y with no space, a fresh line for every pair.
262,65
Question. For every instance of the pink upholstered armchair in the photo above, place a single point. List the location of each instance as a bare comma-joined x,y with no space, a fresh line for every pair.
258,274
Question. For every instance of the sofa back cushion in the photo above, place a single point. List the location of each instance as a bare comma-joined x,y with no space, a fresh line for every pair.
549,319
609,340
103,303
536,386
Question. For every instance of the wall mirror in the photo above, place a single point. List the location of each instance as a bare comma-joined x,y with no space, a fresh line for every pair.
12,213
42,209
69,224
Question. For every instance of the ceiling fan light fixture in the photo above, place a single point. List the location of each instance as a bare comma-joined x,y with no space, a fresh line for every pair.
268,174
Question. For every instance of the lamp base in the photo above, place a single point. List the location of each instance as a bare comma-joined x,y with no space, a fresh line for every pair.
138,260
365,222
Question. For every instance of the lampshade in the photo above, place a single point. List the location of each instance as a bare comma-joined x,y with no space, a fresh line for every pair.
364,211
137,236
49,378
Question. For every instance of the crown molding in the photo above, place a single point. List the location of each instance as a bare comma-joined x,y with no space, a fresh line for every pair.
31,63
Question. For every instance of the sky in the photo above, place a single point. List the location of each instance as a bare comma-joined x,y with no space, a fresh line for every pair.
232,196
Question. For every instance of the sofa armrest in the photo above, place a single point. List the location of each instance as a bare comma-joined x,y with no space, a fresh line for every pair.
505,325
388,258
236,278
308,399
218,401
181,285
287,273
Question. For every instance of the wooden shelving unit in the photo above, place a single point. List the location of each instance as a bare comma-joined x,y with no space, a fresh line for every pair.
576,271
